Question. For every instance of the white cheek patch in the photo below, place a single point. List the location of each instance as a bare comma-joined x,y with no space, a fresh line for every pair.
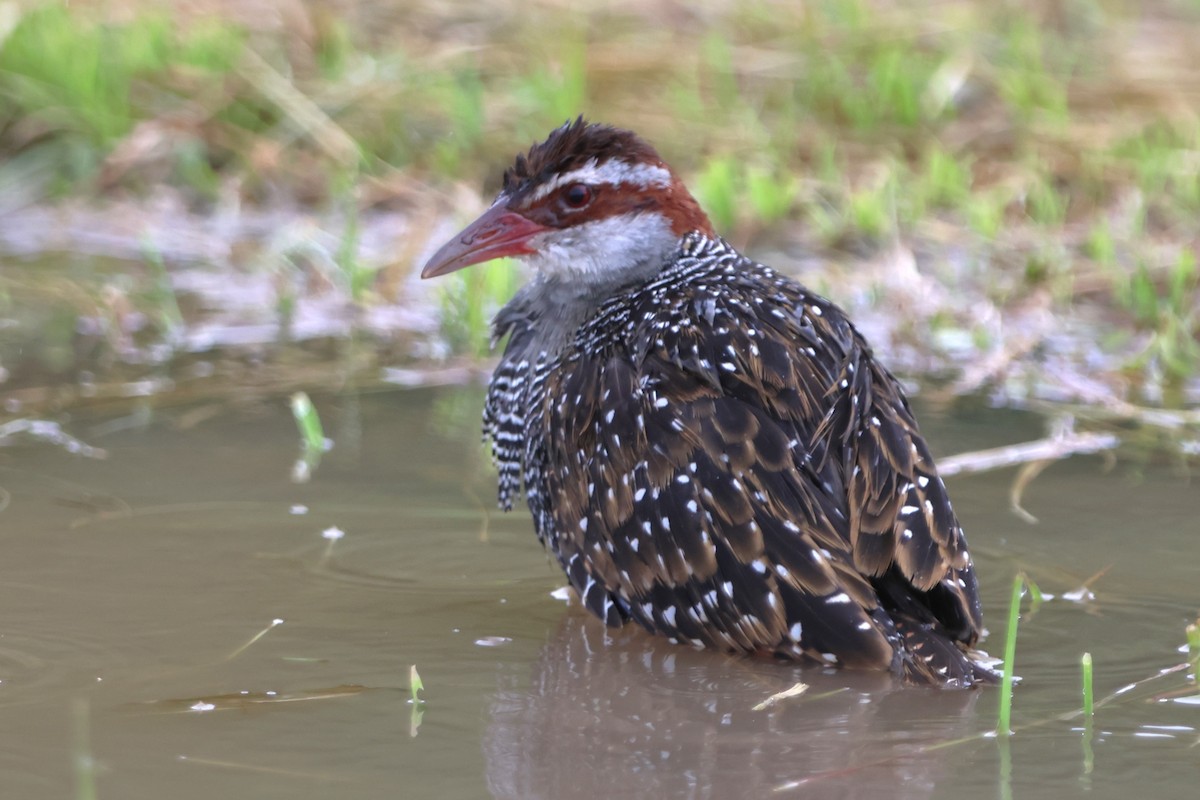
612,172
605,250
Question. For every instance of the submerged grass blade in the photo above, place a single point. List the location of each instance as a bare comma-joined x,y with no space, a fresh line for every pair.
1003,726
1089,757
85,763
1005,787
253,639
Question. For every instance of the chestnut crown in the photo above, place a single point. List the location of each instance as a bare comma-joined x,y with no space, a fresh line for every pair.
592,205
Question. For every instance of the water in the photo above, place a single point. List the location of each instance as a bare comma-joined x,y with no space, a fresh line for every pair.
131,587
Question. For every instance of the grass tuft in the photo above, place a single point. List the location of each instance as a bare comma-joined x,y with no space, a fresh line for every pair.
469,300
1018,151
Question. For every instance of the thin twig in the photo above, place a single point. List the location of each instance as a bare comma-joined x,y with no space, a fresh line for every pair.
1025,476
1114,409
1051,448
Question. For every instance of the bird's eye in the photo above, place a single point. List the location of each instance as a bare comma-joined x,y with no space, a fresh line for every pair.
577,195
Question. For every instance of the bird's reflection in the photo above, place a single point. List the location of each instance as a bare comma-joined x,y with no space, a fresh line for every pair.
628,715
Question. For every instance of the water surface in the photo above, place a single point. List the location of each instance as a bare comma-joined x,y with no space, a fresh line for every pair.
131,586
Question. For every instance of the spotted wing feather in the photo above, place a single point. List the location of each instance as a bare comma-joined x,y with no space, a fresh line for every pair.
729,466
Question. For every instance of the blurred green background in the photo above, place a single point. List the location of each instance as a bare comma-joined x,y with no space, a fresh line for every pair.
217,197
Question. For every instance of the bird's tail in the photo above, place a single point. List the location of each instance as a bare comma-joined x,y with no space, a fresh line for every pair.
929,657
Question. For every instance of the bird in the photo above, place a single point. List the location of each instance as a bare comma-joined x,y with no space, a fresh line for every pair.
708,448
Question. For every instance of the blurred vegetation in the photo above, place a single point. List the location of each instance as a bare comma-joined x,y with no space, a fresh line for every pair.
1013,187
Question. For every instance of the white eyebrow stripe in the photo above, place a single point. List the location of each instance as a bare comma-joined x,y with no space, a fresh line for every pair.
612,172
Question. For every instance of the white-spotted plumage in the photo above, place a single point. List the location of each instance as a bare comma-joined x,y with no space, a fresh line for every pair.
706,447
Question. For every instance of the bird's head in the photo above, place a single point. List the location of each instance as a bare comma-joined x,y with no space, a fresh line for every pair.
592,205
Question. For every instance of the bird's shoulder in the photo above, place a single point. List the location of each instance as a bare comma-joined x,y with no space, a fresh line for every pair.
726,400
718,314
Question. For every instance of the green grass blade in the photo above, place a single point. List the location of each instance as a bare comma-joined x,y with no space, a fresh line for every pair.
1089,758
308,422
1086,664
1193,643
1003,726
415,687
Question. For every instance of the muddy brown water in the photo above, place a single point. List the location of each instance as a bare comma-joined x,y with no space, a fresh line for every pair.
131,589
